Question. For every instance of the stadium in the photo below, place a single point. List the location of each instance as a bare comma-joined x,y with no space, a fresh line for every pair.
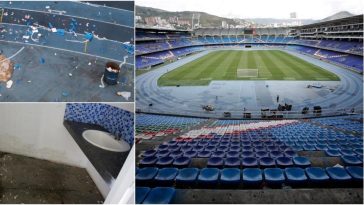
250,115
52,52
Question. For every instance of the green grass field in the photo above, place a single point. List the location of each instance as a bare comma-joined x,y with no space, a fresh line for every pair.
223,65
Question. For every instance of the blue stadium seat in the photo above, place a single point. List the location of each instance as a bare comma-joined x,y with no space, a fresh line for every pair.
162,153
148,161
173,148
198,148
162,147
149,153
186,148
235,148
338,175
359,151
232,162
284,162
302,162
210,148
309,147
295,176
140,194
222,148
333,153
215,162
172,142
297,148
317,175
274,176
290,153
232,154
347,152
249,162
218,154
182,143
166,176
260,148
230,176
160,195
190,154
252,176
164,162
247,154
203,143
351,160
187,176
182,162
321,147
176,154
204,154
275,154
272,148
266,162
261,154
248,148
146,175
208,176
356,173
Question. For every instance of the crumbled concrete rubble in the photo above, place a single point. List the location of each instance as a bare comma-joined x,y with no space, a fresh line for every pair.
6,68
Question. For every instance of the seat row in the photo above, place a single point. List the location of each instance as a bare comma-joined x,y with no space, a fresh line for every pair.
250,177
219,153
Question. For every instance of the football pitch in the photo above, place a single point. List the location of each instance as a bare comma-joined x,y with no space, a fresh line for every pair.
245,65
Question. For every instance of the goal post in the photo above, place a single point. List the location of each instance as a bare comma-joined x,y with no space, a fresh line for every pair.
247,73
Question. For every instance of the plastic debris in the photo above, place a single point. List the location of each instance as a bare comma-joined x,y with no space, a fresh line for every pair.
125,95
70,74
88,36
17,66
41,60
89,63
60,32
65,94
9,84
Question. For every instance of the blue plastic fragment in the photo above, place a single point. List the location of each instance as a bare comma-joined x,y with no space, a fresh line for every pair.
17,66
65,94
89,36
60,32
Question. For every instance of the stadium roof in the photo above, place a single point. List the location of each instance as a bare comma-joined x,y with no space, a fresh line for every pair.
348,20
139,27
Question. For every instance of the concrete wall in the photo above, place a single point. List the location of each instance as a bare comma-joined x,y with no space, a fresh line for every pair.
36,130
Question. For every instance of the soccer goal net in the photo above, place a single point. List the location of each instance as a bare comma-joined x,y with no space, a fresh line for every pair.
247,73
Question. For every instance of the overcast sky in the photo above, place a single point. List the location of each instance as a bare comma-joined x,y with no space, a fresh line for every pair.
312,9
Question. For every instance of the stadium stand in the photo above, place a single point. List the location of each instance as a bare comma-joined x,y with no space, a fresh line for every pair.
249,154
337,41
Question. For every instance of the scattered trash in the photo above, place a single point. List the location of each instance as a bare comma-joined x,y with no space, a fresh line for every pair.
41,60
65,94
9,84
55,54
89,63
17,66
89,36
60,32
70,74
6,68
29,81
125,95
